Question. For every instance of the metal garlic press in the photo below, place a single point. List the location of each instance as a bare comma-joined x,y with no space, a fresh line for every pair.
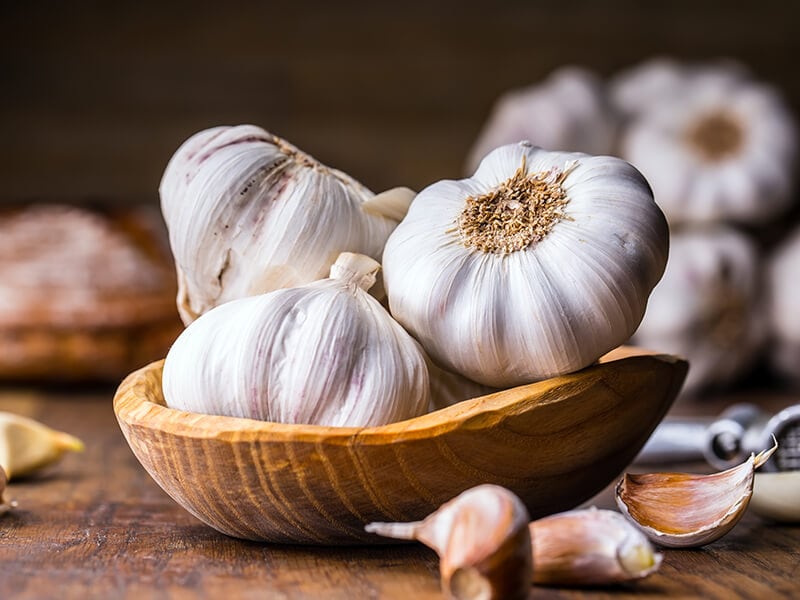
728,439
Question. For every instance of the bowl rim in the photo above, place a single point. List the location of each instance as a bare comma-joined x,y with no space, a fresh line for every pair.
136,404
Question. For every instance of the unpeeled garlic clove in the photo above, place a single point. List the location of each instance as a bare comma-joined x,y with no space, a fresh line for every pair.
483,542
27,445
590,547
682,510
776,496
5,505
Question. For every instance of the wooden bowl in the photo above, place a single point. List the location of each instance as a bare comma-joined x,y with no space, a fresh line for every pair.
555,443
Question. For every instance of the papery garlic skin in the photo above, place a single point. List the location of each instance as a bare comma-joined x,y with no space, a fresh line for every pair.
635,90
707,307
684,510
248,213
504,318
326,353
566,111
590,547
719,147
449,388
783,286
483,542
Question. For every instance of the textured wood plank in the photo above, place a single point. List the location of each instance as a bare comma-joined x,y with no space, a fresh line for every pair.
96,526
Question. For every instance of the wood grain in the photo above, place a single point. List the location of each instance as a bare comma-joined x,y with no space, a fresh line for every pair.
554,443
97,526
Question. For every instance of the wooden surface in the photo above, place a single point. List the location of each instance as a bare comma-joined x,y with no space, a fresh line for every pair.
97,526
553,443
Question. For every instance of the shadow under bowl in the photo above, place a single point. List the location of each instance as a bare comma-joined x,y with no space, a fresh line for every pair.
554,443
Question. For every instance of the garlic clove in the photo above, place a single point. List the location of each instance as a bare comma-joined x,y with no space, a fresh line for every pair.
5,505
590,547
392,204
776,496
483,542
27,445
682,510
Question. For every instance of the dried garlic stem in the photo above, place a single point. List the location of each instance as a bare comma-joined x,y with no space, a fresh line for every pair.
483,542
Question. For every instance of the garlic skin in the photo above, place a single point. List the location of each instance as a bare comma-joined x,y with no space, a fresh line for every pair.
783,290
483,542
534,267
27,445
634,90
566,111
720,147
326,353
707,307
681,510
776,496
248,213
590,547
451,388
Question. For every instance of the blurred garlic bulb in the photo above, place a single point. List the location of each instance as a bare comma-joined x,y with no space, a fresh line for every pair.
707,306
635,90
721,146
534,267
783,284
567,111
326,353
248,213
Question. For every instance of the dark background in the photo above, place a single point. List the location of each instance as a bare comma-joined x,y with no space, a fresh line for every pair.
95,96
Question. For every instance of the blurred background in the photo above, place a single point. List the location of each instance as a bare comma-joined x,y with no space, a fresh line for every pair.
96,96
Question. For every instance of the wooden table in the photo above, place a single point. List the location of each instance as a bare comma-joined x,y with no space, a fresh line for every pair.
97,526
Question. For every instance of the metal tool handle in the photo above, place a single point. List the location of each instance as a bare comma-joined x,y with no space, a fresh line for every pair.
718,441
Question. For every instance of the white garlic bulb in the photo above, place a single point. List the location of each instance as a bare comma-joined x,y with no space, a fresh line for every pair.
248,213
721,146
783,285
707,306
635,90
567,111
534,267
325,353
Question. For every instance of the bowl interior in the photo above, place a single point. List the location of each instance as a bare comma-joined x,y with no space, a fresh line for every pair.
555,443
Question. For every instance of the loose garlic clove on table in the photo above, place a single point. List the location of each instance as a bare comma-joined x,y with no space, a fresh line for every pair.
590,547
483,542
27,445
681,510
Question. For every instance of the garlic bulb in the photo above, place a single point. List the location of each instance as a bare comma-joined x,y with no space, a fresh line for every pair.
483,542
783,285
721,146
325,353
590,547
534,267
567,111
635,90
451,388
683,510
707,306
248,213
